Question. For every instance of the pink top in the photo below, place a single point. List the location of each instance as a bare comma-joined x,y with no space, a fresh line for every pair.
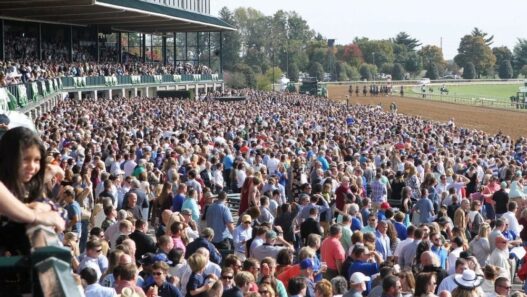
178,243
331,250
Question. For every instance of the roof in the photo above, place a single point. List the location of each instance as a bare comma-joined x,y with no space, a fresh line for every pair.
120,15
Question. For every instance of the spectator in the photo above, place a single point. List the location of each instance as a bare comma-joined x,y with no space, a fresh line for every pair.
93,288
219,218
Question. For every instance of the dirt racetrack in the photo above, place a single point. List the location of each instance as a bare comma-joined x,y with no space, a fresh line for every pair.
513,123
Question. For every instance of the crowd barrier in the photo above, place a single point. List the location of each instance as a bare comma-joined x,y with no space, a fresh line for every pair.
18,96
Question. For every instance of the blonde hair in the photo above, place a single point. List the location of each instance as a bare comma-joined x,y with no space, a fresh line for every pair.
268,288
306,252
484,230
197,262
324,288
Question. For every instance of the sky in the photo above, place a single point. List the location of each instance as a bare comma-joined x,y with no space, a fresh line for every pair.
428,21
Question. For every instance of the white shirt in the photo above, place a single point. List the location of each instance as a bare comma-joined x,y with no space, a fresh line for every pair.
241,235
240,178
500,258
272,165
451,260
447,284
256,243
513,222
400,247
129,167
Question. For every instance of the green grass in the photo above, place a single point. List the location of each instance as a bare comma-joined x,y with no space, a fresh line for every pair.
500,92
495,91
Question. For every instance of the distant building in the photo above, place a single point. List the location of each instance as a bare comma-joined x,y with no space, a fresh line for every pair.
201,6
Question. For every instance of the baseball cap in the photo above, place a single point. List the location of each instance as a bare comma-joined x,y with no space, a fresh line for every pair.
186,211
270,234
306,263
151,258
358,278
246,218
385,205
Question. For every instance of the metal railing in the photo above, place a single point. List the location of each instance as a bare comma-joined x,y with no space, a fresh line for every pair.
46,271
473,101
19,96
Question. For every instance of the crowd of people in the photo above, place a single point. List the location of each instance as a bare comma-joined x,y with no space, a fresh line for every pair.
384,204
14,72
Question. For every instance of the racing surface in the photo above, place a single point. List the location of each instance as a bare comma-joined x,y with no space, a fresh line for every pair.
513,123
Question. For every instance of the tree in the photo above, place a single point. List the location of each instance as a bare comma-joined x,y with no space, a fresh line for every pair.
502,53
231,40
248,73
413,63
397,72
523,71
432,72
365,72
293,71
505,71
479,33
520,55
353,73
316,70
376,52
469,71
351,54
387,68
235,80
473,49
404,39
277,74
432,54
341,69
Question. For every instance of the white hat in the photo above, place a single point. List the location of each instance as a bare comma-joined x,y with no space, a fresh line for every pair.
469,279
358,278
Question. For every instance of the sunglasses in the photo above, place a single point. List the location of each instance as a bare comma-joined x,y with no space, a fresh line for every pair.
227,277
157,273
247,222
99,251
263,292
505,287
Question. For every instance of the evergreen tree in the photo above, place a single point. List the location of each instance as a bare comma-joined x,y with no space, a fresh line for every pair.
505,71
432,72
397,72
469,71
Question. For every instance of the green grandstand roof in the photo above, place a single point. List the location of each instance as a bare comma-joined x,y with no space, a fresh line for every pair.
119,15
180,14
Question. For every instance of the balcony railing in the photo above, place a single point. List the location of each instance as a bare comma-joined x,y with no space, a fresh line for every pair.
19,96
45,272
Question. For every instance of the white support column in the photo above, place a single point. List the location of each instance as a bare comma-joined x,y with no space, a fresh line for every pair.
109,94
123,93
94,94
135,92
79,95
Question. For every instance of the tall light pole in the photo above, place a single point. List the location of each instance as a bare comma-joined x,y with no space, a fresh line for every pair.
273,69
374,74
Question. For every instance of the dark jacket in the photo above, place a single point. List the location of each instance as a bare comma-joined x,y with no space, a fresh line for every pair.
202,242
144,243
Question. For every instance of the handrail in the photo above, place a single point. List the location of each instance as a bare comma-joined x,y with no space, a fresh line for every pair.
18,96
46,270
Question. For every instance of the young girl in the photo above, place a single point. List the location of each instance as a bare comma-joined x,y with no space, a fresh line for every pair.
198,284
22,171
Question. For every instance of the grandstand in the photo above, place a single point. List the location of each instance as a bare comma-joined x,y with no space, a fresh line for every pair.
97,48
106,47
